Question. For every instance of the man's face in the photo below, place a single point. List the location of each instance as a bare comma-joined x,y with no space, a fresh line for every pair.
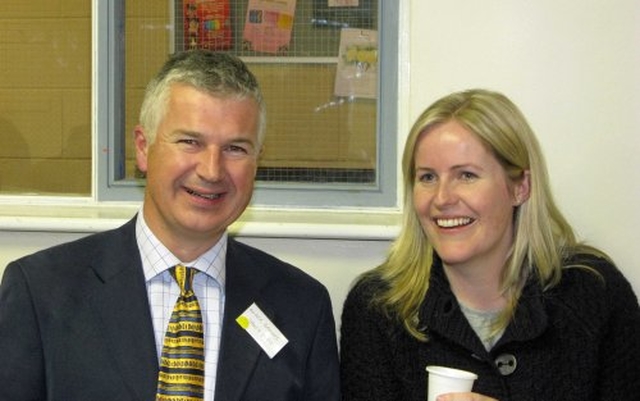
200,169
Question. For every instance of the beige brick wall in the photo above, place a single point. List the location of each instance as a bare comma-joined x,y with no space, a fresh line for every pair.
45,96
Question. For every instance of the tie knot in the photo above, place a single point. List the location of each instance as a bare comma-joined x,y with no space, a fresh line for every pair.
184,277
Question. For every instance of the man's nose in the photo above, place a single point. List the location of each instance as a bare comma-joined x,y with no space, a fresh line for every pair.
210,165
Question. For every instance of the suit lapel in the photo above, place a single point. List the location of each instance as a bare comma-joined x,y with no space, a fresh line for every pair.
239,353
120,299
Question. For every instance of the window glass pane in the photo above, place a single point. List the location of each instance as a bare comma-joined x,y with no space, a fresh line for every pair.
313,136
148,41
45,97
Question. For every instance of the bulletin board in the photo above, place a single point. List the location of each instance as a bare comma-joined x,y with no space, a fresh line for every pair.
313,26
321,127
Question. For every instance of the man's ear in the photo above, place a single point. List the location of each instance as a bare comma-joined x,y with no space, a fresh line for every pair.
522,188
142,147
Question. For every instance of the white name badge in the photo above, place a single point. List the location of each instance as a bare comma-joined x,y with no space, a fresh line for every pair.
263,331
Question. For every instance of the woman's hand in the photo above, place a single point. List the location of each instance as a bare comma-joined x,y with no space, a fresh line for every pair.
464,397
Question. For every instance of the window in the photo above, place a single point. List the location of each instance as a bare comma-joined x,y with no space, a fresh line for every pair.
84,69
321,149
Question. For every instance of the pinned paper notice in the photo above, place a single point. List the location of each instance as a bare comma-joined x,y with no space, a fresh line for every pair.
263,331
357,70
268,26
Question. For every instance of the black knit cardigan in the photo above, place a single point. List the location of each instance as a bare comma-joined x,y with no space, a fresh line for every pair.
578,341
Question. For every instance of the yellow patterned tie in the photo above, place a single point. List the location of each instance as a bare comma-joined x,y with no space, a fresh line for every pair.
182,362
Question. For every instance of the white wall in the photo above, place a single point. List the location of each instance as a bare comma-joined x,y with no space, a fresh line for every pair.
572,66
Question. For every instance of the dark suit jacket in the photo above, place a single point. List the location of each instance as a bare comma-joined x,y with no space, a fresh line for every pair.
75,325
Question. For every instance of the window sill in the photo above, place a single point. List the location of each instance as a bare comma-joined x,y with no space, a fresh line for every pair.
86,217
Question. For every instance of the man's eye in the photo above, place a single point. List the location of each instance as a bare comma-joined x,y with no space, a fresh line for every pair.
191,142
236,149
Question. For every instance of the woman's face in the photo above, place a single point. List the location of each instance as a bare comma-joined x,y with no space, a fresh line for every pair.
463,198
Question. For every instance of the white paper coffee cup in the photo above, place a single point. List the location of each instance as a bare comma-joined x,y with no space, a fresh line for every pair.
444,380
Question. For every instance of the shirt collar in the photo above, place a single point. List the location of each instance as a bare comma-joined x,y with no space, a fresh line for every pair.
156,258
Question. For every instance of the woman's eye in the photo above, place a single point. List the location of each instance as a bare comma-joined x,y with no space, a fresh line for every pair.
427,177
468,176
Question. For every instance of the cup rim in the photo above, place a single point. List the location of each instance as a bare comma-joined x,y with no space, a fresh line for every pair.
451,372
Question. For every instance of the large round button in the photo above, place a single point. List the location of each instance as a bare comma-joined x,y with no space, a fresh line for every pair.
506,364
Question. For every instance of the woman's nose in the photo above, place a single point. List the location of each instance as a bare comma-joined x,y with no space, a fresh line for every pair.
445,194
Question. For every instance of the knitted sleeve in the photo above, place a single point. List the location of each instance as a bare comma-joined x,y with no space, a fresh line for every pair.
620,353
367,372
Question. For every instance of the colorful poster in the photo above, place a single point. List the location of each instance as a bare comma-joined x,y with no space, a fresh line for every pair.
357,71
207,24
268,26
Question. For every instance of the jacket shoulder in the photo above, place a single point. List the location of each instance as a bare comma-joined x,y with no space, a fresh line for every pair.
248,260
81,251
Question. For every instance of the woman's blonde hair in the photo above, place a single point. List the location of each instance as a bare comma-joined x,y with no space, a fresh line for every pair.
542,236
